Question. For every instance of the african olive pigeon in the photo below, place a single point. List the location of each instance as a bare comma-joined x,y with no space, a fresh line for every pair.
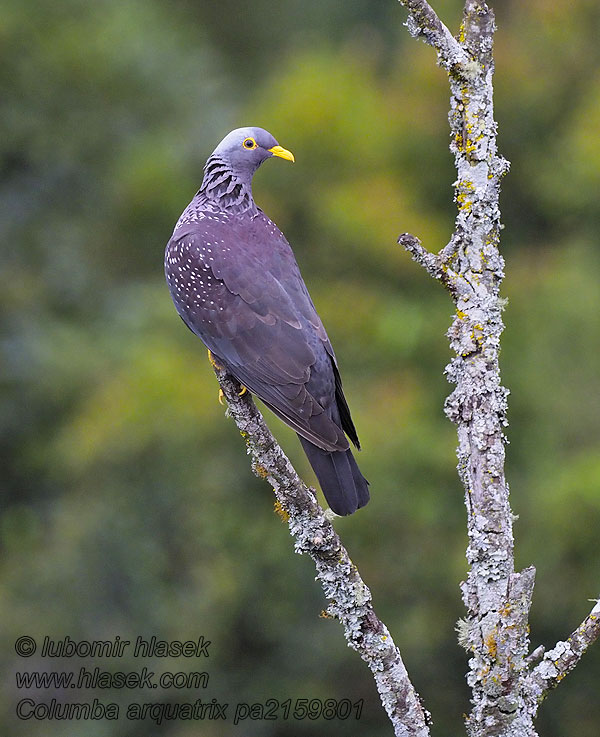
236,285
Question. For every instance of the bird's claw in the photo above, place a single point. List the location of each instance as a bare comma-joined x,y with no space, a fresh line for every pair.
240,394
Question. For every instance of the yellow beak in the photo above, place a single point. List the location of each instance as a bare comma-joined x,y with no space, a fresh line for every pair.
282,153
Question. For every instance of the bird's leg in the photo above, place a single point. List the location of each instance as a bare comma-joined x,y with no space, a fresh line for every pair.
213,363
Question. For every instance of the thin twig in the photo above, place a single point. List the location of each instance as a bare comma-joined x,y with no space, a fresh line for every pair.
564,656
436,265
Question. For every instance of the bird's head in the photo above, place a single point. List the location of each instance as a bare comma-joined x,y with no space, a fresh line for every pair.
245,149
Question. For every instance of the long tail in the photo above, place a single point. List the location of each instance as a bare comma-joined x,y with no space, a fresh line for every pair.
344,486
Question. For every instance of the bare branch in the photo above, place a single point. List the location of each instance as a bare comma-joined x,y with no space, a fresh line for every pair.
507,687
437,265
471,266
348,596
564,656
424,23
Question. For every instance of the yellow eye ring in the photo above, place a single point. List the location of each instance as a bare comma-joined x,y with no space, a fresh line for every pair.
249,143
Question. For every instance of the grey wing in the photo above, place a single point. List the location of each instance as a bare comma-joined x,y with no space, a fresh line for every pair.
266,333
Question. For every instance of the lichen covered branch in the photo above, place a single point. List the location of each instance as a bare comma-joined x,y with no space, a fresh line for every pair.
507,686
563,657
471,267
424,23
436,264
348,596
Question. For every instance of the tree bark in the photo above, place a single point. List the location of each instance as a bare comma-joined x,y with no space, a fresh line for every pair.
506,692
497,598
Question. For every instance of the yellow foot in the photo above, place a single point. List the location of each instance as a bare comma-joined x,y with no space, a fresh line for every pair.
222,394
213,363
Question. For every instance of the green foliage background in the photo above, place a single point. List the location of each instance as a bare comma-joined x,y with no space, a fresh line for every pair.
128,504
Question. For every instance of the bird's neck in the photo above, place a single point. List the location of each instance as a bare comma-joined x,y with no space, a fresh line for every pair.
222,188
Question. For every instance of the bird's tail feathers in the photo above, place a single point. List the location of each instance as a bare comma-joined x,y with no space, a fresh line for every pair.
344,486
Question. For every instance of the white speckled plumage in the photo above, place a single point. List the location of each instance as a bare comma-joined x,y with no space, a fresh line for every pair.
236,284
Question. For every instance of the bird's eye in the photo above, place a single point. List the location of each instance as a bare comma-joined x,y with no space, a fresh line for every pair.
250,143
